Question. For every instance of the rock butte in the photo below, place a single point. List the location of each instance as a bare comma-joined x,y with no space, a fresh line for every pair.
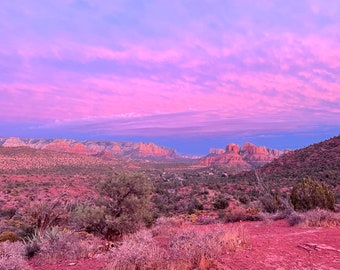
247,157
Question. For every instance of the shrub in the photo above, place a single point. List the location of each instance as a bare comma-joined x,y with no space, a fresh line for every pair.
44,215
244,198
194,205
54,245
310,194
138,251
123,208
9,212
337,196
236,214
9,236
199,248
294,219
31,249
270,203
220,203
12,256
188,248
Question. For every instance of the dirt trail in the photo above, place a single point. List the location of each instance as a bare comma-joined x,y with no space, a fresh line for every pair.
277,246
273,245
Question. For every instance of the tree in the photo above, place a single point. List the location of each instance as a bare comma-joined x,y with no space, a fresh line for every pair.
123,207
310,194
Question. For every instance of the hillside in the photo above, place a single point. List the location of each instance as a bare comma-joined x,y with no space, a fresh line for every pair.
25,160
320,161
28,175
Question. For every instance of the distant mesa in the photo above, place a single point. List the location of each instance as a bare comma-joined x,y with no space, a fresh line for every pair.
105,149
243,158
247,157
13,142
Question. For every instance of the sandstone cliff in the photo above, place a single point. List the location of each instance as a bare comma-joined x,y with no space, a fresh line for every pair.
243,158
106,149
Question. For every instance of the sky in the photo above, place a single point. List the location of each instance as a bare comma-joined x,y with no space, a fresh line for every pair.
186,74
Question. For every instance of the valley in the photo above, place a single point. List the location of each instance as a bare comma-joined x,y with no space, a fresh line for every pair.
61,180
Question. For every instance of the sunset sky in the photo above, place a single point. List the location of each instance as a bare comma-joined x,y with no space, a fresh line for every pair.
186,74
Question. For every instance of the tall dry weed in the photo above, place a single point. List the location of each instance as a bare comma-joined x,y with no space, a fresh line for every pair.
138,251
314,218
54,245
193,247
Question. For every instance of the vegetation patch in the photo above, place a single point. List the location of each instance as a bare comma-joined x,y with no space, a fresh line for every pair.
12,256
314,218
182,247
310,194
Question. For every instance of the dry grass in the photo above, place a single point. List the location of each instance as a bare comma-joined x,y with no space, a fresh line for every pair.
178,247
55,245
12,256
201,248
138,251
314,218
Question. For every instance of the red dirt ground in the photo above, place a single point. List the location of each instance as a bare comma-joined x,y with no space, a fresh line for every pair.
279,246
274,245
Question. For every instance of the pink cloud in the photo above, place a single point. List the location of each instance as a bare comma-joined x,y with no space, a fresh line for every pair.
202,74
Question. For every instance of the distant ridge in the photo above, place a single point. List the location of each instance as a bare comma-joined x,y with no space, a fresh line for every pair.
104,149
239,158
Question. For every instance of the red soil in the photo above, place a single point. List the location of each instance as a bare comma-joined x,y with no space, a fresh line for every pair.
279,246
274,245
89,264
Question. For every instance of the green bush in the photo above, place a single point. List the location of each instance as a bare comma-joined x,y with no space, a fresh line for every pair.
310,194
220,203
123,208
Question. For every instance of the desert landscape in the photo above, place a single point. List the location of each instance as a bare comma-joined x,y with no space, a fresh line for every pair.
169,135
65,207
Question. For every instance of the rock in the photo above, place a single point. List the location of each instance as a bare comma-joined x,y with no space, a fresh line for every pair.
232,148
247,157
13,142
105,149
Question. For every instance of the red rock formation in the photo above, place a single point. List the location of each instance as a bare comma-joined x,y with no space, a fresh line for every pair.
98,148
232,148
13,142
247,157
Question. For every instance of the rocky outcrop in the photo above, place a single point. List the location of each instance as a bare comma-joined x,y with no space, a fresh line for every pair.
107,149
232,148
13,142
244,158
